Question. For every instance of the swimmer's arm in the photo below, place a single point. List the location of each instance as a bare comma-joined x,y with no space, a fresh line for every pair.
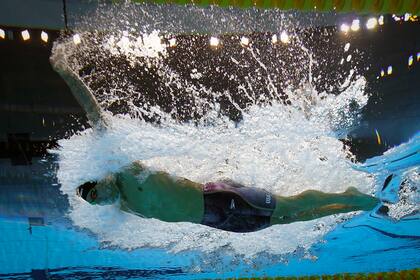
79,90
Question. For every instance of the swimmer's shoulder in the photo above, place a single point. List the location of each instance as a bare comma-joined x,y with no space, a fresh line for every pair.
135,168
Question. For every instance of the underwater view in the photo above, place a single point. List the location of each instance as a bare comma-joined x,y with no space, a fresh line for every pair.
169,141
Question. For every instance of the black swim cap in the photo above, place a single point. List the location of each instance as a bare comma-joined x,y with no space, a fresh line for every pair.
84,189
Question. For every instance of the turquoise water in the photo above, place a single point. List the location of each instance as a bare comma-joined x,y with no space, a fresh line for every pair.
365,243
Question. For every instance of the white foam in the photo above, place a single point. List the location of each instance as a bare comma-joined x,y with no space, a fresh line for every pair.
148,46
283,149
409,195
275,148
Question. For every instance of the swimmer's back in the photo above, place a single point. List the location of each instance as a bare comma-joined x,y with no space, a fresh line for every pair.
158,195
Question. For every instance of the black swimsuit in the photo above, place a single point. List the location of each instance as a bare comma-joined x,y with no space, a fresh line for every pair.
232,207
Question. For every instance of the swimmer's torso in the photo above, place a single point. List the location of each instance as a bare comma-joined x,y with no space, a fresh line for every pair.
159,195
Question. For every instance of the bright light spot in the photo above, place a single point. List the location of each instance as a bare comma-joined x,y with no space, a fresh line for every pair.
407,17
172,42
371,23
44,36
25,35
76,39
382,72
389,70
418,56
244,41
348,58
378,137
347,47
344,28
414,18
381,20
410,60
214,41
274,39
342,61
2,34
396,18
284,37
355,25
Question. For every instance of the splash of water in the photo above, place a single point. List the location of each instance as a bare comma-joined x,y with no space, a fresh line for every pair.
284,141
271,149
409,196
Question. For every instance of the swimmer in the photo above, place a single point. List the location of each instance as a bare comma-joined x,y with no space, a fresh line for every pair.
225,205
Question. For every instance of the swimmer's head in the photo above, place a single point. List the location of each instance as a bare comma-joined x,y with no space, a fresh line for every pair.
87,191
102,192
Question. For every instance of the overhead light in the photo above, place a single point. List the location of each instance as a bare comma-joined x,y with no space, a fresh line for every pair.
172,42
389,70
346,47
355,25
274,39
414,18
25,35
382,72
410,60
244,41
284,37
344,28
2,34
396,18
44,36
76,39
371,23
381,20
214,41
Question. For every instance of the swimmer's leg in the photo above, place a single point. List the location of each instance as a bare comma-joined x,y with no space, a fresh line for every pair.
312,204
79,89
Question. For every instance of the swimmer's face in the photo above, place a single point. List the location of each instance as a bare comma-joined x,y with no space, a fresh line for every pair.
103,192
